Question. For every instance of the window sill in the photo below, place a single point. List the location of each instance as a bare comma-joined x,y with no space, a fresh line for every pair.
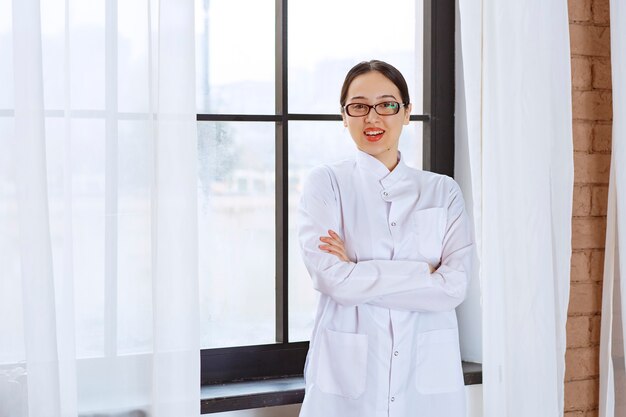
279,391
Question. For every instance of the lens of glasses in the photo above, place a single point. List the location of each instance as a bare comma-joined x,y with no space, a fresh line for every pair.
387,108
357,109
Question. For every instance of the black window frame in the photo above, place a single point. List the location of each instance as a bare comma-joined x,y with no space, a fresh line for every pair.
284,358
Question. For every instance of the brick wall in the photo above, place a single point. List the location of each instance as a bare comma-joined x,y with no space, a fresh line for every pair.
592,114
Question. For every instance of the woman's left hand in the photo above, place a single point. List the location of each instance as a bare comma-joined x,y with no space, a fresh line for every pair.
334,245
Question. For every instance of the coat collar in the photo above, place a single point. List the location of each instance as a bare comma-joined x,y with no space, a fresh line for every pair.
374,168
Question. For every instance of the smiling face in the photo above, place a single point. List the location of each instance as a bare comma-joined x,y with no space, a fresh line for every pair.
374,134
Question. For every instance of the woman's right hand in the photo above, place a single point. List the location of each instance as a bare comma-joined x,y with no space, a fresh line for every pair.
334,245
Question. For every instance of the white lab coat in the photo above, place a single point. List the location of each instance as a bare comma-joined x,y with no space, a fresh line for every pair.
385,340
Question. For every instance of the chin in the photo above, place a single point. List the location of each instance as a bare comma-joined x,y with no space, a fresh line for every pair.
374,148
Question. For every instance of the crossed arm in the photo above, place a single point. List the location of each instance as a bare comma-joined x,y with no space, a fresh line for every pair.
335,246
395,284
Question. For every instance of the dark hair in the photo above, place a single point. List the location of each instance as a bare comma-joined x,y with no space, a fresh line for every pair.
389,71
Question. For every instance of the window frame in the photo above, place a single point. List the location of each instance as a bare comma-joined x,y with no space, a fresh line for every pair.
284,358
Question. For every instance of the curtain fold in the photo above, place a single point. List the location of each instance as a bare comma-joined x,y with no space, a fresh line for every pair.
612,350
38,298
98,209
467,164
175,284
519,154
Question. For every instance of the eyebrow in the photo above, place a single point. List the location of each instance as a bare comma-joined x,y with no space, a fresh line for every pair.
383,96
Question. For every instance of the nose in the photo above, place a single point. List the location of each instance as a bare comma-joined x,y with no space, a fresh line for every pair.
372,116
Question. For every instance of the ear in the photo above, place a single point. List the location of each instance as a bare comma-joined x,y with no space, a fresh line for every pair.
407,113
343,117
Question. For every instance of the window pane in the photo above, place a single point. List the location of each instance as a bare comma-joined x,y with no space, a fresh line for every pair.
411,143
318,64
236,220
11,316
312,144
133,59
53,56
78,222
79,238
134,236
88,227
87,56
235,56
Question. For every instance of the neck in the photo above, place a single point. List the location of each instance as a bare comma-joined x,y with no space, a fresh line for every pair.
388,158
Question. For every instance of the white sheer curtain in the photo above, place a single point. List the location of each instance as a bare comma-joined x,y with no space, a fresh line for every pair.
516,120
98,234
612,351
467,124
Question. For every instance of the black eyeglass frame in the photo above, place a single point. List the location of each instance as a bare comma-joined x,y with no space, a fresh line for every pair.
370,107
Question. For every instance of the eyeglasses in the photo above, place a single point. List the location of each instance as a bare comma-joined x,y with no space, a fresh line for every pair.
386,108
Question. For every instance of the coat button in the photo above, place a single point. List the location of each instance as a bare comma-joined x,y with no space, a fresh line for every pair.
393,223
395,353
385,193
393,399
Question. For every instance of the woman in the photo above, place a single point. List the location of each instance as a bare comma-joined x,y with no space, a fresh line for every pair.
388,247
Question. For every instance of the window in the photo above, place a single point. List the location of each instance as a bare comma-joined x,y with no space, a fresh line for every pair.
269,75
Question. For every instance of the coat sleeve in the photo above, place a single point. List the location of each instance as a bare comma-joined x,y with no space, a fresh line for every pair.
450,280
349,283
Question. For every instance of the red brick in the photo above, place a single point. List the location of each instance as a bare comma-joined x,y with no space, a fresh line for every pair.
591,168
580,266
601,73
600,11
582,200
579,10
601,138
596,269
599,200
578,330
592,114
583,135
581,72
595,322
589,40
592,105
581,395
585,298
582,363
588,232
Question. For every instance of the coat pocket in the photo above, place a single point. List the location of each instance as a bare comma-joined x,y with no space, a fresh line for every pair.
342,363
429,226
439,367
